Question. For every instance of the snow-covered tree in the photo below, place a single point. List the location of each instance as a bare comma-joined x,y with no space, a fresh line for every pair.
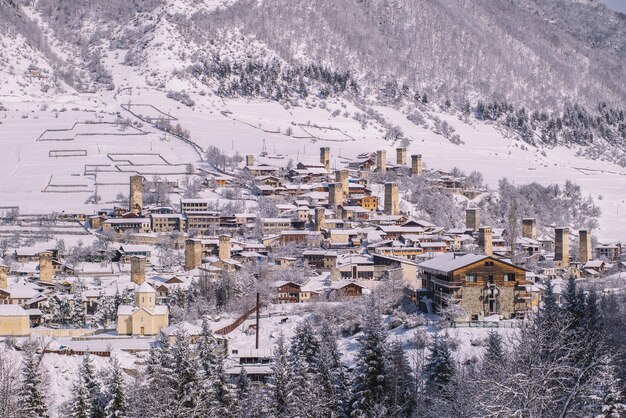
281,384
32,393
370,380
115,391
440,367
400,382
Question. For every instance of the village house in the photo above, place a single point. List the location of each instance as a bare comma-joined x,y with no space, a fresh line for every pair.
127,225
481,285
168,222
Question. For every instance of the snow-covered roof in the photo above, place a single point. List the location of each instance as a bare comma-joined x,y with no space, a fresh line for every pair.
449,262
145,288
12,310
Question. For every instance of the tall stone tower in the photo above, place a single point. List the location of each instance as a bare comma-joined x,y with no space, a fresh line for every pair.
46,272
224,247
584,236
145,296
193,254
325,157
320,215
335,195
381,161
472,219
4,277
342,176
416,165
529,228
249,159
401,156
392,199
138,270
485,239
561,247
135,199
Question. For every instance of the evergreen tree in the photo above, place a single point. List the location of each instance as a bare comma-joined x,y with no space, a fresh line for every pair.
440,366
32,398
370,381
331,376
185,374
281,385
494,352
87,391
115,397
206,348
222,393
304,344
401,382
79,405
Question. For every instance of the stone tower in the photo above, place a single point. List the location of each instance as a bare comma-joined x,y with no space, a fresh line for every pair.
392,199
529,228
45,267
193,254
224,247
472,219
135,199
584,236
485,239
325,157
381,161
249,159
335,195
320,215
401,156
416,165
145,296
138,270
561,247
4,278
342,176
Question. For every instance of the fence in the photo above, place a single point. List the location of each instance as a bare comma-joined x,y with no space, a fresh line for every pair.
230,328
484,324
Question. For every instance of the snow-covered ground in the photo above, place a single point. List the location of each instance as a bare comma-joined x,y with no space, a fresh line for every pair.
45,171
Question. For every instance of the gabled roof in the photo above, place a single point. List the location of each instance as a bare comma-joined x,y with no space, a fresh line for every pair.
449,262
145,288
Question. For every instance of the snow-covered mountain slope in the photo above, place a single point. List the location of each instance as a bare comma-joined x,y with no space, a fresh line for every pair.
67,65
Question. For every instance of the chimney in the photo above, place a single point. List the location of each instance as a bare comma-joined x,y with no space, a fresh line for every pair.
584,236
4,279
193,254
416,165
320,215
138,270
529,228
392,199
485,239
45,267
472,219
381,161
401,156
561,247
341,176
135,199
224,247
325,157
335,195
249,160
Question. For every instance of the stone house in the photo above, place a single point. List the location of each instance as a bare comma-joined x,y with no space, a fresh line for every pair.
482,285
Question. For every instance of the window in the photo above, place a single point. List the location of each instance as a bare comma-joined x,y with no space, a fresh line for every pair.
489,263
470,278
509,277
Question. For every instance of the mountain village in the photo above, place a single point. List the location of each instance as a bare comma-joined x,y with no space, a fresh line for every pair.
340,235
